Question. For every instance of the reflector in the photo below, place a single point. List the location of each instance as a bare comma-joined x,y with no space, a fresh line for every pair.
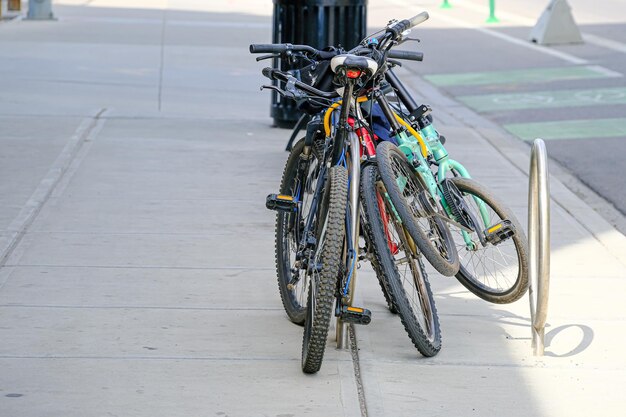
353,73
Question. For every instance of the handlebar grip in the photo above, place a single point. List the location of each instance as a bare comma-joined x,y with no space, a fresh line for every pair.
268,72
397,28
275,74
256,48
410,55
417,19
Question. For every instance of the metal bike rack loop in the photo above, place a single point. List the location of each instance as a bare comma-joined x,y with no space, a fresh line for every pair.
539,242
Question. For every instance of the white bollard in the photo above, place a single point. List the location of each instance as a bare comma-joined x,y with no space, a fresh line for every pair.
556,26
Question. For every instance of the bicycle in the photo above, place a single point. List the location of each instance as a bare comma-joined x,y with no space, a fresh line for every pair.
486,230
325,250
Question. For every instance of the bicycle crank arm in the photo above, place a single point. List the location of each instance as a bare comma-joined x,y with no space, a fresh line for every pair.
452,222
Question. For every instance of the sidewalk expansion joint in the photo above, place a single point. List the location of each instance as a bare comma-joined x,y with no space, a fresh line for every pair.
87,130
354,351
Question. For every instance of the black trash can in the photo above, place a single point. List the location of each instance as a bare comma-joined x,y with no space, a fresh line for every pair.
319,23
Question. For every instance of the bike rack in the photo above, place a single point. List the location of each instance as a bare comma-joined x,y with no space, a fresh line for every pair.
539,242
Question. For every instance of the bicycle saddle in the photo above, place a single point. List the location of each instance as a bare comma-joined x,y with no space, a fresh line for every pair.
353,62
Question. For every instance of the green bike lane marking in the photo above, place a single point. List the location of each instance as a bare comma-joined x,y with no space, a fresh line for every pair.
546,99
531,75
569,129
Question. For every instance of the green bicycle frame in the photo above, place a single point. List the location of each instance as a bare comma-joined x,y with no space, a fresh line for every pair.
410,147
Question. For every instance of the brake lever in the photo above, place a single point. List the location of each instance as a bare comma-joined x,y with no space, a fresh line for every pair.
273,87
407,39
290,90
404,37
261,58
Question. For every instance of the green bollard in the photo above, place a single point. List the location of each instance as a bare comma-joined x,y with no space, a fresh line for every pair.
492,12
445,5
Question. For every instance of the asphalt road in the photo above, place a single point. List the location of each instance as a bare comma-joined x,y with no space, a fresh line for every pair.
573,96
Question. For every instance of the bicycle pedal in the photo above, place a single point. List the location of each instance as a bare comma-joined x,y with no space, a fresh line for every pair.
500,232
355,315
280,202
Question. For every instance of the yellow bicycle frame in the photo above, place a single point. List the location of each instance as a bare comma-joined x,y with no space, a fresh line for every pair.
400,120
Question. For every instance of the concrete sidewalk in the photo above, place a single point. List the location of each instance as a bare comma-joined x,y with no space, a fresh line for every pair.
136,255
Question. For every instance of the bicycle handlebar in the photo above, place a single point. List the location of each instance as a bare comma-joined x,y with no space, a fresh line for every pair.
393,30
283,47
280,48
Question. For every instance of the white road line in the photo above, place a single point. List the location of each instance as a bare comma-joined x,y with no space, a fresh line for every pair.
516,18
593,39
519,42
526,44
605,43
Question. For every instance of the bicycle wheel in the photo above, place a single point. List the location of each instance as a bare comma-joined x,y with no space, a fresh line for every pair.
324,268
430,234
495,273
401,271
292,284
369,176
